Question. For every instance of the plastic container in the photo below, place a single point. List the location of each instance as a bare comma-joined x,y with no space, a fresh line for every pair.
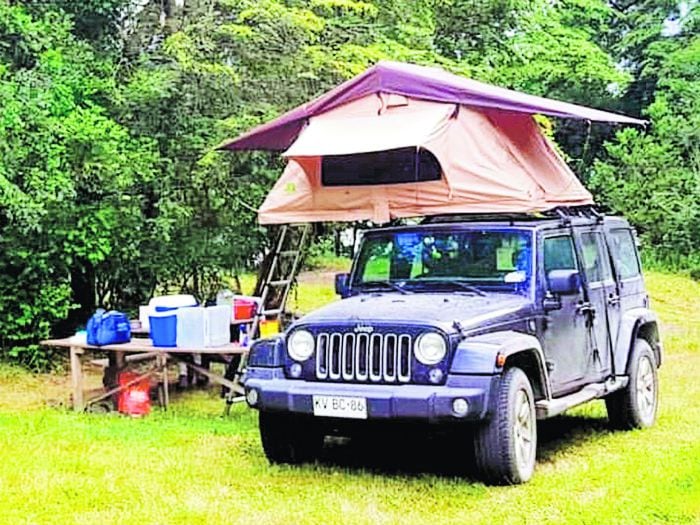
144,312
269,327
191,329
163,328
244,309
218,325
135,399
243,338
224,297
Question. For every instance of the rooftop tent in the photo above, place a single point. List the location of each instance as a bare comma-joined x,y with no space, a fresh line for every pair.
405,141
486,161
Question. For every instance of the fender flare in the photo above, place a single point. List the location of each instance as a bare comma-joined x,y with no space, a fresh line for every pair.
477,355
631,323
267,353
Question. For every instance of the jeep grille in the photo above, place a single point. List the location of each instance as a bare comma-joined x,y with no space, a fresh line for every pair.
377,358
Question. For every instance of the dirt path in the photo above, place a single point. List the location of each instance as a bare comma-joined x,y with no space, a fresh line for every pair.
319,277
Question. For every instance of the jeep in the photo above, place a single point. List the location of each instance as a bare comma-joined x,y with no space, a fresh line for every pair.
491,322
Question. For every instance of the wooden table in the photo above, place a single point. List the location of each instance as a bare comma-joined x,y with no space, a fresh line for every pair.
138,346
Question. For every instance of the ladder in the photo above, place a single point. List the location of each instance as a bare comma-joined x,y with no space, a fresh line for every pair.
276,277
278,273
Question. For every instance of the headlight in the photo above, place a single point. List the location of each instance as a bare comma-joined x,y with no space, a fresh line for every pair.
300,345
430,348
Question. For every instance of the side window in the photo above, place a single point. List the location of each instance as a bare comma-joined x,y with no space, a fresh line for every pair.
624,253
595,263
559,253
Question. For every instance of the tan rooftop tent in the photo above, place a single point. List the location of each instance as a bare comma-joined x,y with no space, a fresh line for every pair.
401,140
486,161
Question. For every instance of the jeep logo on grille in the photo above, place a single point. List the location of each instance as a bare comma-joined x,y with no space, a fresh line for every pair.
364,329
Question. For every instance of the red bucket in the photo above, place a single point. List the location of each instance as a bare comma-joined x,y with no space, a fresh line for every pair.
243,309
134,399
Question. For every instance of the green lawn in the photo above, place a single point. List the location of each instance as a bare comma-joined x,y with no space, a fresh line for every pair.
191,466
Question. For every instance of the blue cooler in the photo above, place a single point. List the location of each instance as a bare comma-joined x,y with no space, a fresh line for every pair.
163,327
162,318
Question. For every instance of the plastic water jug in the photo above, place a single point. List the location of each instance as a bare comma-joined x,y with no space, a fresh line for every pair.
144,312
225,298
219,325
192,327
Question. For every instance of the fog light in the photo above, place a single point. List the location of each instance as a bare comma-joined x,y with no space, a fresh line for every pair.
295,370
435,375
460,407
251,397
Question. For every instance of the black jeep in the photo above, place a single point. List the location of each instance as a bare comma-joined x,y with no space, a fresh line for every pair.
493,322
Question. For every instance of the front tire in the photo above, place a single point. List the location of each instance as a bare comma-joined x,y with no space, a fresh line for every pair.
636,405
289,438
506,446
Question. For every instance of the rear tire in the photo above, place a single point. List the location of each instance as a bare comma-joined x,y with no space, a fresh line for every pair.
636,405
505,447
289,438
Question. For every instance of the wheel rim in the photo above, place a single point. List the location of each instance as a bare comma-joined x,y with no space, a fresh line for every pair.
646,389
524,432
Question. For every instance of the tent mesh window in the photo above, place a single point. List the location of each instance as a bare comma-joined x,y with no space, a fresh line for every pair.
397,166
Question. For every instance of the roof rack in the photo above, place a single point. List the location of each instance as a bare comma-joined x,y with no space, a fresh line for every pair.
583,212
563,213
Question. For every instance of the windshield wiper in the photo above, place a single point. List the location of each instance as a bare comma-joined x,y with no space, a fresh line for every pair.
464,286
468,287
389,284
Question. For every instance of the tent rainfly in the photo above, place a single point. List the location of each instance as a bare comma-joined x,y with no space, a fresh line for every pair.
403,141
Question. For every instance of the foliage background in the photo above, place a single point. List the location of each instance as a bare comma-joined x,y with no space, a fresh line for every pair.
110,109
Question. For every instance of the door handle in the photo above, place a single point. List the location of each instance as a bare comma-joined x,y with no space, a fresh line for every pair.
585,308
613,300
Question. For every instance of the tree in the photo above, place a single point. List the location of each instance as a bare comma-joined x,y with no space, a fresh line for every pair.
654,177
66,175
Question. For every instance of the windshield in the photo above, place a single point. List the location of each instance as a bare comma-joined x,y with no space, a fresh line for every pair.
471,260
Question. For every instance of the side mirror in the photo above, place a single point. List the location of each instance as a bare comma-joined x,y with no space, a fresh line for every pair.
342,287
564,282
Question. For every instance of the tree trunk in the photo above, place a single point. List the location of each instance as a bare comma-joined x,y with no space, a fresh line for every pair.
82,281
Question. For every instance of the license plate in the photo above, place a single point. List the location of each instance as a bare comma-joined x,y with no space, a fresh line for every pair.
340,406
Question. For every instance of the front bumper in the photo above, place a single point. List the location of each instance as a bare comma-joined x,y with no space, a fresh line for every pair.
430,403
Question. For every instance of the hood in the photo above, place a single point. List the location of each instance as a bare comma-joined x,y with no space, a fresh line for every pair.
439,309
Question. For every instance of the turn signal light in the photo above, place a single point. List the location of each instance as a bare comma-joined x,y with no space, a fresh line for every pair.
252,397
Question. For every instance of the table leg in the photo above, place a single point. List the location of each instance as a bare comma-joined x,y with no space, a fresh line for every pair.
164,365
119,360
76,372
117,363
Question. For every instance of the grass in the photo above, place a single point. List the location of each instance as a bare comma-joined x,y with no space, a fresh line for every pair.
191,465
314,288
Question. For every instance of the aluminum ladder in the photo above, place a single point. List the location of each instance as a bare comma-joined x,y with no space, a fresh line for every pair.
278,273
276,277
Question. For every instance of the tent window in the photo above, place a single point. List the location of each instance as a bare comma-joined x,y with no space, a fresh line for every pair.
395,166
